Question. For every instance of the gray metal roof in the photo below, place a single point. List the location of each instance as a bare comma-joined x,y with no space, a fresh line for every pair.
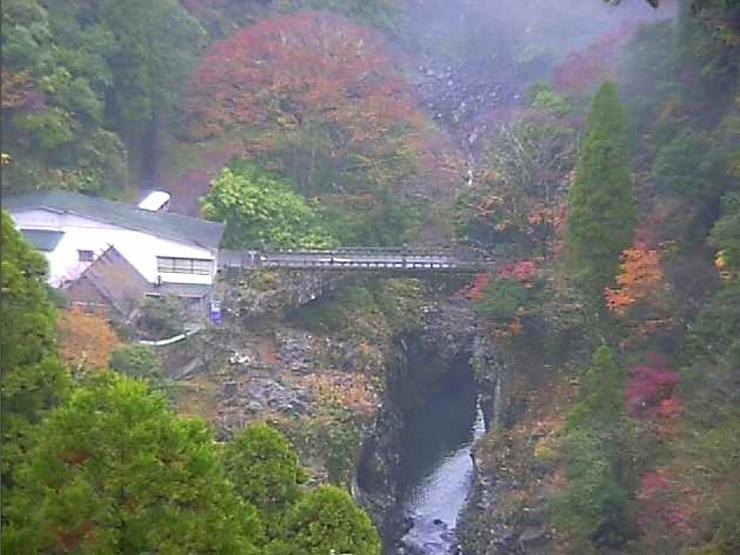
164,224
43,239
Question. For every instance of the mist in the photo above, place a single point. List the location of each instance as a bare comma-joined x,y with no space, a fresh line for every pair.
472,59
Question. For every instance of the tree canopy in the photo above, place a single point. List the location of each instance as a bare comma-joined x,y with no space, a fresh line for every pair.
115,471
327,520
320,101
33,378
260,209
602,202
264,468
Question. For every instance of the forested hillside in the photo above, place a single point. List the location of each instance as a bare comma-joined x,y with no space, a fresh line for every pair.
591,148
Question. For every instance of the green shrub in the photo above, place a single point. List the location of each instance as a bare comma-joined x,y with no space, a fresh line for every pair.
136,361
726,232
161,317
502,300
116,471
142,363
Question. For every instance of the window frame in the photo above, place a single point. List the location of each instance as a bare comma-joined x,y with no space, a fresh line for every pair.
186,266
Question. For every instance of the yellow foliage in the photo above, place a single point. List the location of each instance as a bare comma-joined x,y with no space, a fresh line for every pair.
86,341
640,274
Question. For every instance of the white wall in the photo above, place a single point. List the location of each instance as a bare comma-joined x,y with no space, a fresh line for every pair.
140,249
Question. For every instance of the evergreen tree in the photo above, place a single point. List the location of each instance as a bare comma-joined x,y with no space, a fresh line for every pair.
116,471
602,406
602,202
33,378
327,520
263,466
596,447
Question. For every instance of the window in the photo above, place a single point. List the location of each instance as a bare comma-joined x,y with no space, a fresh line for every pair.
85,256
169,265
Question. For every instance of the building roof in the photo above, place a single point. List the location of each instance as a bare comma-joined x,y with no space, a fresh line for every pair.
154,201
114,279
43,239
163,224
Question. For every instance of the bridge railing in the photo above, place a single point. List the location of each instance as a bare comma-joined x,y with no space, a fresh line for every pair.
365,258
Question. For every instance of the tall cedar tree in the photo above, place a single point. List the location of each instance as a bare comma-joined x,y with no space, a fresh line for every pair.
602,201
33,379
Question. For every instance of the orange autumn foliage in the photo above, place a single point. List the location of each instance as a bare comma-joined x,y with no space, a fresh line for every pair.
86,340
640,274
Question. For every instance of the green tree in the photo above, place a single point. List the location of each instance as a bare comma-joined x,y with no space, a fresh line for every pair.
141,362
115,471
327,520
264,468
594,499
594,506
260,209
54,79
149,67
136,361
602,202
33,378
602,406
726,233
503,300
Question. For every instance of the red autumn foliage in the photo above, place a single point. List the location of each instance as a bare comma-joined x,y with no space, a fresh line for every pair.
476,290
670,408
523,271
663,508
294,68
649,387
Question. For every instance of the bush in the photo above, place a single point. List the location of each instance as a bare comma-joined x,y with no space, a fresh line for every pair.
161,317
142,363
726,233
503,300
593,508
137,361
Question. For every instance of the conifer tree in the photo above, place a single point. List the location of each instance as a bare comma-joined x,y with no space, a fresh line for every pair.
33,377
602,202
324,521
116,471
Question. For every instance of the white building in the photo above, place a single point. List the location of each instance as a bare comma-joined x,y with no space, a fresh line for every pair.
73,230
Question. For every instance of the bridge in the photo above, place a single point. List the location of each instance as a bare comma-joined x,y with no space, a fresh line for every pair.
360,259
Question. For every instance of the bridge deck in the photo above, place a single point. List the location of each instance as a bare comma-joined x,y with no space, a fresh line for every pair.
362,259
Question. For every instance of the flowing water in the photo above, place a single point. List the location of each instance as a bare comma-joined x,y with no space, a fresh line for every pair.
436,468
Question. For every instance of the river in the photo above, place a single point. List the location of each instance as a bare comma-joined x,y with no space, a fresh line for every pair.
436,469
